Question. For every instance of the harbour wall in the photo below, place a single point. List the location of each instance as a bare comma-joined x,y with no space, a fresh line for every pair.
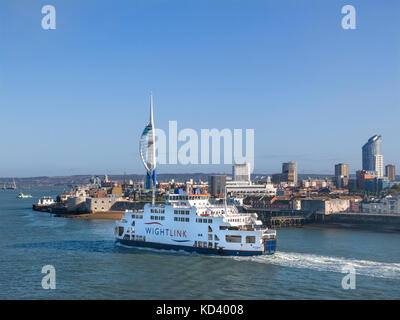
387,222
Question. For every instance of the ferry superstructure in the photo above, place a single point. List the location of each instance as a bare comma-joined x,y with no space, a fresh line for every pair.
190,222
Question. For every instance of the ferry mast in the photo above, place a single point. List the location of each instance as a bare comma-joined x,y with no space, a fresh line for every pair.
147,150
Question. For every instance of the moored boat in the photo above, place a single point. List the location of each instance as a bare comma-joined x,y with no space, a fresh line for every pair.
44,204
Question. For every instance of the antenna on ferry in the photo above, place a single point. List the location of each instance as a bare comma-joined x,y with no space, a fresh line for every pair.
225,205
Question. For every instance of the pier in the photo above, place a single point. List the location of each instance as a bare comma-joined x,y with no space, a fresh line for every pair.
280,218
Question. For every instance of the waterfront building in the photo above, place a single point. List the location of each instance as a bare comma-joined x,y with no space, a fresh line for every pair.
235,188
341,175
216,185
315,184
288,175
241,172
389,205
289,171
365,179
325,205
372,158
390,172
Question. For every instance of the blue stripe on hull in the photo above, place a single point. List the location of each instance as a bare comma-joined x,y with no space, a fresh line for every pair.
156,245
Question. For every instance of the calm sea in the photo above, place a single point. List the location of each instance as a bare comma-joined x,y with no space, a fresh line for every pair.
88,264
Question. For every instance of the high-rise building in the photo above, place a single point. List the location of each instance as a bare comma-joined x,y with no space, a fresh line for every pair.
216,185
241,172
341,175
372,158
289,171
390,172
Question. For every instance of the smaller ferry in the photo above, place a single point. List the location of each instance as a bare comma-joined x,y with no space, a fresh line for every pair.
24,196
45,201
44,204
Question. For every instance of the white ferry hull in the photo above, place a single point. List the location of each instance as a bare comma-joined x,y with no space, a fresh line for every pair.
222,252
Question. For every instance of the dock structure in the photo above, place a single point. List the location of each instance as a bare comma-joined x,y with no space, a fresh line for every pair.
286,221
280,218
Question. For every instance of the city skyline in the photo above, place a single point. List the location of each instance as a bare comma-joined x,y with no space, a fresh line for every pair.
74,99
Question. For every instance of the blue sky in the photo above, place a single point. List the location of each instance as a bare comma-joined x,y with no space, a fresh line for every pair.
74,100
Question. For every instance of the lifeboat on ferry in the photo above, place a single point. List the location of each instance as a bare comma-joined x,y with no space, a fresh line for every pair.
205,215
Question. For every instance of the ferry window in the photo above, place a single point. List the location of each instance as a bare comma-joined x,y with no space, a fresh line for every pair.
209,229
210,237
209,221
250,239
216,238
210,244
133,223
120,231
232,238
187,219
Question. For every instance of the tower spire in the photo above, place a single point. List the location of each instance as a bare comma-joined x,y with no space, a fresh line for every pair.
147,149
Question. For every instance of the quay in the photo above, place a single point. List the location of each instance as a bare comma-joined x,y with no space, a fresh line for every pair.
366,220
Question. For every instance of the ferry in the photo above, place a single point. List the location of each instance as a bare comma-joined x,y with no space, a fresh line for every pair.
45,201
44,204
191,223
24,196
